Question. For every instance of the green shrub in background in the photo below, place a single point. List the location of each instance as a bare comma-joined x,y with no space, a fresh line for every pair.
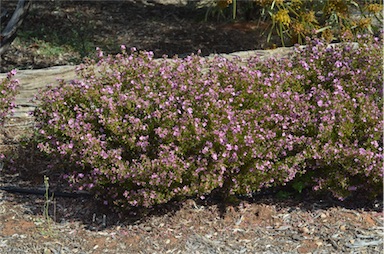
294,20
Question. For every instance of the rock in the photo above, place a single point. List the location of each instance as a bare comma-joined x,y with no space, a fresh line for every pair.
33,80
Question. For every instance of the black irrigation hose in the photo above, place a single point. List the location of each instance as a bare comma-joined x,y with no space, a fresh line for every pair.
13,189
83,194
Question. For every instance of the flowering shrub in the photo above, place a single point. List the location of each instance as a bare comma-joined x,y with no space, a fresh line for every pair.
139,131
344,85
8,91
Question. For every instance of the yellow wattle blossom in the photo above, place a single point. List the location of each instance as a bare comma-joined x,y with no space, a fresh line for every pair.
327,35
346,35
310,17
375,8
364,23
282,16
222,4
298,28
296,4
264,3
338,6
279,2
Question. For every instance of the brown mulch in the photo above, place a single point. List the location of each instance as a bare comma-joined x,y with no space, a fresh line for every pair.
263,223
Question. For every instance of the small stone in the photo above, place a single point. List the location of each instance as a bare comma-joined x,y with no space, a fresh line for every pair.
323,215
148,229
297,237
304,230
282,228
167,241
208,236
342,228
47,251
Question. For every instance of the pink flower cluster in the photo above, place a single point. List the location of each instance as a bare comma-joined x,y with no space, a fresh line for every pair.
141,131
8,91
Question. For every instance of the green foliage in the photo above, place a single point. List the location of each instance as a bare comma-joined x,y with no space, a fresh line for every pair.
294,20
71,40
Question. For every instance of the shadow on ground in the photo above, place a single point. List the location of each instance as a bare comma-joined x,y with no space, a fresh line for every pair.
62,32
29,166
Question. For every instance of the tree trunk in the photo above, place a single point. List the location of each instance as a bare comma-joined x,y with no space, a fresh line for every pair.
9,32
